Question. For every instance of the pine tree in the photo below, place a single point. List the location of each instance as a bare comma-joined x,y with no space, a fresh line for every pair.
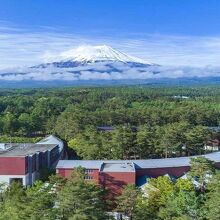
79,199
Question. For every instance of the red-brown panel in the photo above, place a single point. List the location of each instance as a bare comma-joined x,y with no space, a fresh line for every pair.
61,172
95,175
12,165
217,165
114,181
68,172
155,172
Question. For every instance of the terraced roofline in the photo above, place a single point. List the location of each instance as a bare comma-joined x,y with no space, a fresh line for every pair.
138,164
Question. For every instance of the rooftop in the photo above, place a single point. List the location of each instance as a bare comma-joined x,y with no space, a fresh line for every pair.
21,150
51,139
105,128
148,163
117,167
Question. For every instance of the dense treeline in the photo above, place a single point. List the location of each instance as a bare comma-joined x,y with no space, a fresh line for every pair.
176,139
148,122
195,197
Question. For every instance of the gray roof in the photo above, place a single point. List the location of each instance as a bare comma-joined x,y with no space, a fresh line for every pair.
51,139
21,150
88,164
117,167
149,163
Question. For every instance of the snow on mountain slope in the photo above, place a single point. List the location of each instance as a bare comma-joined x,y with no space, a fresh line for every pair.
92,54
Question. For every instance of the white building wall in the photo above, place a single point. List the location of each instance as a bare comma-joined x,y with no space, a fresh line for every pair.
6,179
25,178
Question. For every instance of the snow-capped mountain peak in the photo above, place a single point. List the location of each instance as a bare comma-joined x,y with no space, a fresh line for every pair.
92,54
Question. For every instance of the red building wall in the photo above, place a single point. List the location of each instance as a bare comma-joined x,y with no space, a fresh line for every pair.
13,165
94,175
114,181
155,172
67,173
217,165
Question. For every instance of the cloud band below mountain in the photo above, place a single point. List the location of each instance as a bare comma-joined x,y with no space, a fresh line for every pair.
99,71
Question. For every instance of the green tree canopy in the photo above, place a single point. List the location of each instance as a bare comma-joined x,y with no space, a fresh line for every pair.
79,198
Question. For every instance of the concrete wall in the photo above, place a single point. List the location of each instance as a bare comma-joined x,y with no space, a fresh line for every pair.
6,179
27,179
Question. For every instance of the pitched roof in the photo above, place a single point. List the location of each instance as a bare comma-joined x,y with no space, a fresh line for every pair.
51,139
21,150
138,164
25,149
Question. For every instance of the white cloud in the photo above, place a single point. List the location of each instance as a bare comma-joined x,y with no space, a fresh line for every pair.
21,47
102,72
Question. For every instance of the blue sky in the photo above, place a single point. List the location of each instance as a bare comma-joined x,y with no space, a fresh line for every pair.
168,32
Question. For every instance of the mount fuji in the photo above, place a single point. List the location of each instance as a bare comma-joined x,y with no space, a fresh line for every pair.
100,65
85,55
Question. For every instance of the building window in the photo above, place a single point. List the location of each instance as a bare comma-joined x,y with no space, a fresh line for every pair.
88,171
17,180
88,177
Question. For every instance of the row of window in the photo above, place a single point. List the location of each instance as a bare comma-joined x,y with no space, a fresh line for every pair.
88,171
88,177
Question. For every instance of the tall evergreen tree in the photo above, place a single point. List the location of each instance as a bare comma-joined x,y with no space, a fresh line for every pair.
79,199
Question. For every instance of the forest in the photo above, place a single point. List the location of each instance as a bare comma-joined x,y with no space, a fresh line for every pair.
147,122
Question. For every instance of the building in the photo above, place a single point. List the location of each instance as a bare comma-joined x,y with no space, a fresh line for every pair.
212,145
214,128
23,162
105,128
114,174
